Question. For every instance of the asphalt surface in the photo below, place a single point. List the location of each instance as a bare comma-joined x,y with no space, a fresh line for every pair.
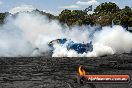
42,72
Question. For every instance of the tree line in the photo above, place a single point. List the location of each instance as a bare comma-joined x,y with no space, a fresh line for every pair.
103,15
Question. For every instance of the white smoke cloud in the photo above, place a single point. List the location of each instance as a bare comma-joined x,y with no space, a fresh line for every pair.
28,34
100,50
116,37
12,41
38,29
22,8
55,13
78,34
70,7
89,2
21,35
108,41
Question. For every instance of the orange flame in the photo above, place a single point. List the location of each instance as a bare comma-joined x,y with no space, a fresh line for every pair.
81,71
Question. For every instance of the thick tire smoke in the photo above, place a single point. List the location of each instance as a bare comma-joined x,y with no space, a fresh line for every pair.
28,34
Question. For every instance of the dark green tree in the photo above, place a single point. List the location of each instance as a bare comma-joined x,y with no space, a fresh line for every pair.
124,17
105,13
2,17
72,17
107,7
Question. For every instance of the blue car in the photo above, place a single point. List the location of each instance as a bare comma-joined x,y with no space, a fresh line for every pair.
80,48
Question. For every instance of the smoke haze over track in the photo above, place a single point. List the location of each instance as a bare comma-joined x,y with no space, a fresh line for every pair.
20,36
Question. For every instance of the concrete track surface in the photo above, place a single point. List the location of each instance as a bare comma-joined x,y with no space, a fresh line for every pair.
46,72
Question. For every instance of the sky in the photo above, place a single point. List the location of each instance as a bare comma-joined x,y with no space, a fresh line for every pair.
54,6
